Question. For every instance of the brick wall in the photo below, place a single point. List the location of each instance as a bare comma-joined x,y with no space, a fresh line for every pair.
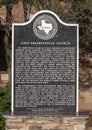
3,11
3,14
17,12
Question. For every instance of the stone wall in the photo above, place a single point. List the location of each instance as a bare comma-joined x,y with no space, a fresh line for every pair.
44,123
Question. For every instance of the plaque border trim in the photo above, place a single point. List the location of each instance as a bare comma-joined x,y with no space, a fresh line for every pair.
12,69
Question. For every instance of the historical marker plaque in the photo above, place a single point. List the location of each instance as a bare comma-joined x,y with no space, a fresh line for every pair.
45,66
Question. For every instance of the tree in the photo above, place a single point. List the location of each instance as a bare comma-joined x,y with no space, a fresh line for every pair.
83,13
25,8
57,6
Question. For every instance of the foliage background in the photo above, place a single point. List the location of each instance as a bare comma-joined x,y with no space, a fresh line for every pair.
4,104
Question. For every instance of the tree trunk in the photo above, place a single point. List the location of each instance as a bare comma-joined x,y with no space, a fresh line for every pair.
25,8
9,16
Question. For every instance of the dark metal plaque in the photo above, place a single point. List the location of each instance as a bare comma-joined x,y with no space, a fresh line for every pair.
45,66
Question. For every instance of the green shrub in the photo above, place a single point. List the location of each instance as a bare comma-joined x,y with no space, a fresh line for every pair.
2,122
4,105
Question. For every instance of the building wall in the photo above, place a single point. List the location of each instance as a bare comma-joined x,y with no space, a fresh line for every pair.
3,11
17,12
